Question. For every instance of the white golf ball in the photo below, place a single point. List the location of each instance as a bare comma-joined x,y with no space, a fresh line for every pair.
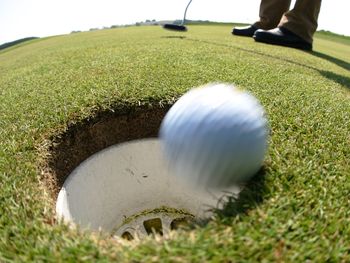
215,136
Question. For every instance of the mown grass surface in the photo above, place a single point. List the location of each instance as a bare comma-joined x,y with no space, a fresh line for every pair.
333,37
303,208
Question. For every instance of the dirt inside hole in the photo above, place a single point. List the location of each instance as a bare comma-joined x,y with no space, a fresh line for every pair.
87,137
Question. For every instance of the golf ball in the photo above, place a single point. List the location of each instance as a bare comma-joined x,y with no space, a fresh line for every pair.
215,136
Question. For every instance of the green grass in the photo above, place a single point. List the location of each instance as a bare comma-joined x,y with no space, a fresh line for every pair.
334,37
299,212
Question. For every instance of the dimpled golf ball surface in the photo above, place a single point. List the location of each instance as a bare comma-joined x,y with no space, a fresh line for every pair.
215,136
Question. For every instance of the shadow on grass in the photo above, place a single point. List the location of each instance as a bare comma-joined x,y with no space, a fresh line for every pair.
339,62
342,80
178,37
249,198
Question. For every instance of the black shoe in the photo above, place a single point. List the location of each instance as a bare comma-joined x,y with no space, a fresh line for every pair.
246,31
281,36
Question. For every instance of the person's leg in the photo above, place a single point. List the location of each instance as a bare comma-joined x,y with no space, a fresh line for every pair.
296,27
270,13
302,19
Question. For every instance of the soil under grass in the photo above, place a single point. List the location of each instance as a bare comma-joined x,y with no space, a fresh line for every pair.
103,87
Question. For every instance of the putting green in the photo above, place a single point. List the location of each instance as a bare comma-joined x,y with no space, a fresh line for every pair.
54,89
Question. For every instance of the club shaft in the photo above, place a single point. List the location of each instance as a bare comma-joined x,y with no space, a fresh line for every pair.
184,20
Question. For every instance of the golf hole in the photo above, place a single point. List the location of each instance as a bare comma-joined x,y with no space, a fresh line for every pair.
108,174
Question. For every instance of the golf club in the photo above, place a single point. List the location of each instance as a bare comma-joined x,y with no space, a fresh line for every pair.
180,27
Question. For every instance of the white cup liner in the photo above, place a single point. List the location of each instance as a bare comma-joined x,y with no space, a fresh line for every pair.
121,187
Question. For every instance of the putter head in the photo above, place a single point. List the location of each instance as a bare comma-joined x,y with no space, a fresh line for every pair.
174,27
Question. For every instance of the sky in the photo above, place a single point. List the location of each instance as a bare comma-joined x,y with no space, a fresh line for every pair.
40,18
